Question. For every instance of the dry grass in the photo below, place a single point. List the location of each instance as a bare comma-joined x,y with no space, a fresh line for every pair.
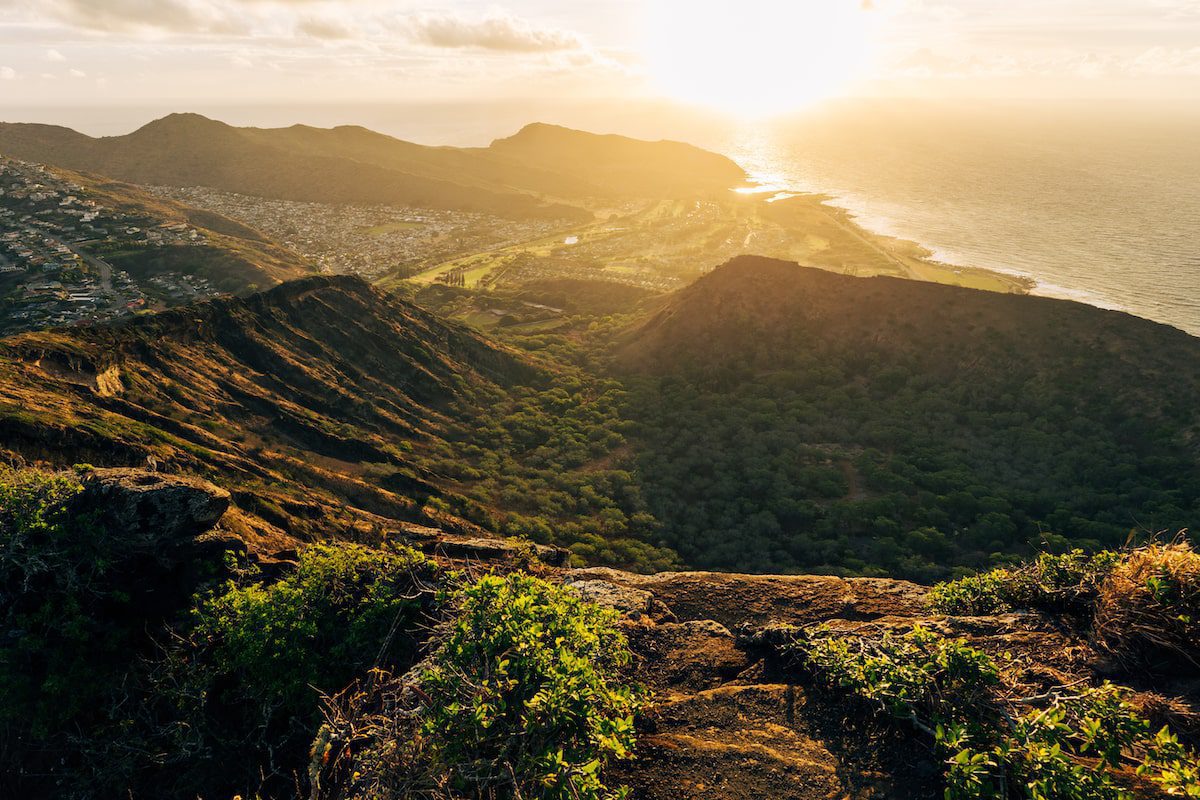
1148,610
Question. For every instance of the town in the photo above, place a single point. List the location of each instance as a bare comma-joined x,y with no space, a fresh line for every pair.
369,241
51,228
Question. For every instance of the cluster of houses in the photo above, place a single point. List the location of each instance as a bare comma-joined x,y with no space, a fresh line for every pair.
53,241
366,240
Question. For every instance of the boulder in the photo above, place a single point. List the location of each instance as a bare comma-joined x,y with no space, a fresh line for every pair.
736,600
150,509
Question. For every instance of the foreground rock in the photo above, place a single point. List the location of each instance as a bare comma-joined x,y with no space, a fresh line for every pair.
152,507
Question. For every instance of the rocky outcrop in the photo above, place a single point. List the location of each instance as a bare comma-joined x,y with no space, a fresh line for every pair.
152,508
735,600
482,549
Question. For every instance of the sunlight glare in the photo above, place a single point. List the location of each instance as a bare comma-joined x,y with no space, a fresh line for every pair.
757,57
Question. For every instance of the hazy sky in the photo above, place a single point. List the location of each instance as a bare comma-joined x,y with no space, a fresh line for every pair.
73,52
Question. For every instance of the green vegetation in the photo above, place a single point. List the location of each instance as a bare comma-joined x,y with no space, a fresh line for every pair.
1070,581
521,698
1080,744
1143,605
344,610
259,656
549,464
524,694
787,419
809,469
60,609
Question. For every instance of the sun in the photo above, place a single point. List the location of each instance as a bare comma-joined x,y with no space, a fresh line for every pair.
757,57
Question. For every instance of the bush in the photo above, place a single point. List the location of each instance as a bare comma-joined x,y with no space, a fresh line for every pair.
53,569
1144,603
1148,610
1067,582
1057,745
232,701
521,698
277,646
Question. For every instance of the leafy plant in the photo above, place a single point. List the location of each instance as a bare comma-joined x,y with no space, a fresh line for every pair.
1060,745
522,698
53,569
345,609
1069,581
523,692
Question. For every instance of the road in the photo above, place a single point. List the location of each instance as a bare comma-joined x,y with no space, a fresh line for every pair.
103,268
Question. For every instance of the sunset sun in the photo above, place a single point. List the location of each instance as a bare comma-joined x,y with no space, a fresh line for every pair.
757,57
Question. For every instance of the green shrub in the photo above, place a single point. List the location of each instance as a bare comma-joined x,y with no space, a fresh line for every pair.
1060,745
55,603
915,675
523,692
344,610
521,699
1067,582
234,699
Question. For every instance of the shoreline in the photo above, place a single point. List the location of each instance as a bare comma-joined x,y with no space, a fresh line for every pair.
922,257
1032,284
908,258
921,260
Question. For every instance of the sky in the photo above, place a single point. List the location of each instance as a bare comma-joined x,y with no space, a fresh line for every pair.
743,56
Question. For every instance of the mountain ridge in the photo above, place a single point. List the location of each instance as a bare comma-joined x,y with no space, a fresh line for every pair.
313,372
903,427
351,164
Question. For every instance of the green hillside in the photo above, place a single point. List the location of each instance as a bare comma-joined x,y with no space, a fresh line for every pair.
789,418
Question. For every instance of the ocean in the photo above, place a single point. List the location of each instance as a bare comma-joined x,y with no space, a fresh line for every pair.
1097,203
1097,206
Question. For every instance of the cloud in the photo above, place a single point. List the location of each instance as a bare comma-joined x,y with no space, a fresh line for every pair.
324,28
8,74
177,16
1160,61
497,31
77,73
54,55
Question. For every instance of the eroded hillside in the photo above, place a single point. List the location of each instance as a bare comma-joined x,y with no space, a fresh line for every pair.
292,396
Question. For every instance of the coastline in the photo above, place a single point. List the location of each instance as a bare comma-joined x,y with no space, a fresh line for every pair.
899,256
922,261
1030,284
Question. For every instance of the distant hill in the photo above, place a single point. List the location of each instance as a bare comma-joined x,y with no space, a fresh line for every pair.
798,419
541,172
618,165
